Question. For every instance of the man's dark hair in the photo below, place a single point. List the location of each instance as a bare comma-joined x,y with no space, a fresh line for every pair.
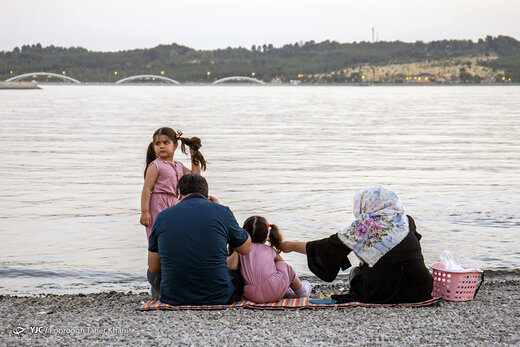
193,183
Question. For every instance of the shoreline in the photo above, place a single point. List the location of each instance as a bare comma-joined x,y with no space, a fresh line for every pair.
191,84
12,285
111,318
18,85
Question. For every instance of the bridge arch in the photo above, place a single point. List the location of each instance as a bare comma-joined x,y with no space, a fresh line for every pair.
49,74
238,78
138,77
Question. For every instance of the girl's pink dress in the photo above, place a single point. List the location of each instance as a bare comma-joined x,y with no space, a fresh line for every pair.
265,279
164,193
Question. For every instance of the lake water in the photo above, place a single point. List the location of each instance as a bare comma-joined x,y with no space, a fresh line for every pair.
72,160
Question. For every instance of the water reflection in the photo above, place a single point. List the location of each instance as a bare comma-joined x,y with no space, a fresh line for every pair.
72,161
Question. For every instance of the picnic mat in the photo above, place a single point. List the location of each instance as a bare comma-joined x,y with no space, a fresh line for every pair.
284,304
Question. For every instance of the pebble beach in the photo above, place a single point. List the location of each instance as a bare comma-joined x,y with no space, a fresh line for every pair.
112,318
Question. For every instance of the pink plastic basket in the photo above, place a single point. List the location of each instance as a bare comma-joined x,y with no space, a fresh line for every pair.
456,285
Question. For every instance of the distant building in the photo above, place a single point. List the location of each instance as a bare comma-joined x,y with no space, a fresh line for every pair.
421,78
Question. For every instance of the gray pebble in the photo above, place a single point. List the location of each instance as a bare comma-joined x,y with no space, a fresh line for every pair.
112,319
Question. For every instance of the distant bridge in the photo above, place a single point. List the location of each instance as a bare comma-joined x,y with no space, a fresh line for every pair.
131,78
48,74
238,78
143,77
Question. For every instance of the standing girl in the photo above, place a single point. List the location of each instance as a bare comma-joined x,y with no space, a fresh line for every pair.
267,276
162,173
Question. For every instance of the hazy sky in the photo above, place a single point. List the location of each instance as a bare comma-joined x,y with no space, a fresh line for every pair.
111,25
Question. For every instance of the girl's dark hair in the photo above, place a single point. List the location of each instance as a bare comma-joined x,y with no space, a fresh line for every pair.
256,227
193,142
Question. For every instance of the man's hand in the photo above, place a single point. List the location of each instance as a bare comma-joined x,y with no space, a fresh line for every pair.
233,261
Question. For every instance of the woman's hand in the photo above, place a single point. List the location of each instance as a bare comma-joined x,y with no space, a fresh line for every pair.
285,247
145,220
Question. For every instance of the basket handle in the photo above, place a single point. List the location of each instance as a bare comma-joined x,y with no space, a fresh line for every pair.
479,284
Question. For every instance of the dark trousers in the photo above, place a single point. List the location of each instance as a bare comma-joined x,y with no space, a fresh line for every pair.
236,277
155,280
238,283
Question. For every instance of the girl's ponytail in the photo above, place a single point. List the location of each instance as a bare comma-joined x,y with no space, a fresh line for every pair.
194,144
275,238
150,156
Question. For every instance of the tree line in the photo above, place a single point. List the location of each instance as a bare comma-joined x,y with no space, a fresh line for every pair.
301,60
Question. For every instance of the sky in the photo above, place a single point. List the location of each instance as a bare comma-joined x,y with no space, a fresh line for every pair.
114,25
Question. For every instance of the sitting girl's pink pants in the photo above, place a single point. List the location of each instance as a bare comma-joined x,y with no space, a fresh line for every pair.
274,288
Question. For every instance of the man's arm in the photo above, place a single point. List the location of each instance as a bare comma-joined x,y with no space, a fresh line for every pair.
245,247
154,263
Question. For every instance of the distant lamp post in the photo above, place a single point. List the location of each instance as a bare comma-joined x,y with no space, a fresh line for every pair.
63,72
110,77
253,74
208,73
11,72
162,72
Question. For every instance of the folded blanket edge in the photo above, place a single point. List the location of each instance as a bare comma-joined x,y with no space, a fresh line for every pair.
280,305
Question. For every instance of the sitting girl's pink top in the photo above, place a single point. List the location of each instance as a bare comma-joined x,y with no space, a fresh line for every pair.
164,193
265,279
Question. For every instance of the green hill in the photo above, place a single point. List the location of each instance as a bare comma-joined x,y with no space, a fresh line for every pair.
492,59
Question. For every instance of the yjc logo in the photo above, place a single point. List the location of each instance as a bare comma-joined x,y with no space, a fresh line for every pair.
18,331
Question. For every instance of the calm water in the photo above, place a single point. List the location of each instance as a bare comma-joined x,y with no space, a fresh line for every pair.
72,160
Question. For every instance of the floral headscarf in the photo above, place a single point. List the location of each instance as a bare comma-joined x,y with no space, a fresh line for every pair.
379,226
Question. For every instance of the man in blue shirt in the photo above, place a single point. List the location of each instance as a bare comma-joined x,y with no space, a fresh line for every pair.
187,249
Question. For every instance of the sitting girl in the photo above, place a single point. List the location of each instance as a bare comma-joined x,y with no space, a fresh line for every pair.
267,276
386,240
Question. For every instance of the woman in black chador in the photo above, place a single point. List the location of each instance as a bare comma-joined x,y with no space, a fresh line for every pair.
386,241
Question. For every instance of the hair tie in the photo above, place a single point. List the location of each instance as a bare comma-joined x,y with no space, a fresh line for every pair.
267,225
179,134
